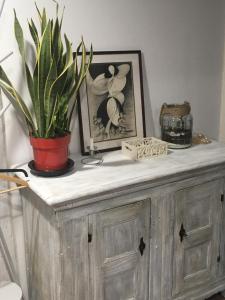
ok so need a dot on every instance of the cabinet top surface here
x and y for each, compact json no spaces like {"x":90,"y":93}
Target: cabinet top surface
{"x":118,"y":172}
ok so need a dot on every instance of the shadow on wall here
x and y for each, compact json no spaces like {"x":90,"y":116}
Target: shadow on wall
{"x":11,"y":223}
{"x":20,"y":141}
{"x":150,"y":128}
{"x":5,"y":209}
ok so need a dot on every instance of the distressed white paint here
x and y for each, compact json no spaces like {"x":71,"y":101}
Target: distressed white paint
{"x":118,"y":171}
{"x":93,"y":251}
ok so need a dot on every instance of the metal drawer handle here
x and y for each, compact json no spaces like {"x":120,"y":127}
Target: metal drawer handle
{"x":182,"y":233}
{"x":142,"y":246}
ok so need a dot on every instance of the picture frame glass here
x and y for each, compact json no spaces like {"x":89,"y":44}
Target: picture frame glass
{"x":111,"y":101}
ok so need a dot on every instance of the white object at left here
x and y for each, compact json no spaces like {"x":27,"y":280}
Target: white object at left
{"x":10,"y":291}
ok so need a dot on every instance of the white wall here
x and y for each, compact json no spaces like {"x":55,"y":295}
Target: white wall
{"x":181,"y":41}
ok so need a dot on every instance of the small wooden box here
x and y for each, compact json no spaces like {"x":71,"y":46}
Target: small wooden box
{"x":140,"y":148}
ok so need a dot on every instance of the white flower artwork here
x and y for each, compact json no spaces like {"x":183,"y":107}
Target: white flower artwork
{"x":112,"y":102}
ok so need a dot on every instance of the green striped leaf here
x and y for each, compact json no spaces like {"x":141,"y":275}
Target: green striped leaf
{"x":49,"y":102}
{"x":79,"y":78}
{"x":52,"y":119}
{"x":69,"y":52}
{"x":36,"y":96}
{"x":38,"y":11}
{"x":7,"y":86}
{"x":19,"y":36}
{"x":57,"y":45}
{"x":70,"y":79}
{"x":34,"y":34}
{"x":44,"y":64}
{"x":30,"y":83}
{"x":60,"y":23}
{"x":55,"y":80}
{"x":43,"y":21}
{"x":57,"y":90}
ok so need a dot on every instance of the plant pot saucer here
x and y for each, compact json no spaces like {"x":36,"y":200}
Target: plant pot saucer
{"x":68,"y":168}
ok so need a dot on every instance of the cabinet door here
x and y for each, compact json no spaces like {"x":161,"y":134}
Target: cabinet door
{"x":196,"y":240}
{"x":119,"y":253}
{"x":74,"y":260}
{"x":221,"y":265}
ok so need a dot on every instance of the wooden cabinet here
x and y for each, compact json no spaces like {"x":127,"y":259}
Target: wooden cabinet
{"x":161,"y":238}
{"x":119,"y":252}
{"x":196,"y":236}
{"x":221,"y":257}
{"x":73,"y":260}
{"x":165,"y":248}
{"x":105,"y":256}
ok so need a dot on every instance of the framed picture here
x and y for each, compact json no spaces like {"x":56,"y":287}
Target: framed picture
{"x":111,"y":106}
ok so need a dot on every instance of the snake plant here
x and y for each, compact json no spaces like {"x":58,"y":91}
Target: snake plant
{"x":55,"y":80}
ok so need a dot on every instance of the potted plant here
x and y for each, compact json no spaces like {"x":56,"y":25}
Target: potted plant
{"x":53,"y":87}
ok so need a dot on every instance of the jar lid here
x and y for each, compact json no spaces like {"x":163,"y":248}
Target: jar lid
{"x":176,"y":110}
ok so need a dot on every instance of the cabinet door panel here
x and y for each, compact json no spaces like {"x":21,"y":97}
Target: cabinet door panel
{"x":74,"y":259}
{"x":221,"y":267}
{"x":196,"y":239}
{"x":119,"y":271}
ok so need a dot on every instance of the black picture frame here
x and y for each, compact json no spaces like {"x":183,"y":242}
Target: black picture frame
{"x":111,"y":101}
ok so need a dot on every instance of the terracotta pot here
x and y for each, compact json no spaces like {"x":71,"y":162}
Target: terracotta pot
{"x":50,"y":154}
